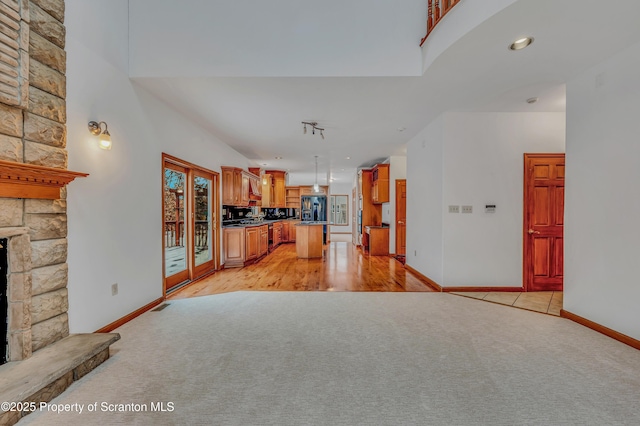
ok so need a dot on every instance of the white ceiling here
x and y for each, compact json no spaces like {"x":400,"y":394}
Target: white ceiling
{"x":361,"y":85}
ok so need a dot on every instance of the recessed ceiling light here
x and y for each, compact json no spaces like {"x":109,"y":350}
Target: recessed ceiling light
{"x":342,"y":170}
{"x":348,"y":158}
{"x":521,"y":43}
{"x":264,"y":164}
{"x":401,"y":129}
{"x":532,"y":100}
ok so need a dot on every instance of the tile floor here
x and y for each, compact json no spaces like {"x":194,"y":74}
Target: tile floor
{"x":547,"y":302}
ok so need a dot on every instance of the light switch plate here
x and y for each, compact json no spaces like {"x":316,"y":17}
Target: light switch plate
{"x":467,"y":209}
{"x":454,"y":209}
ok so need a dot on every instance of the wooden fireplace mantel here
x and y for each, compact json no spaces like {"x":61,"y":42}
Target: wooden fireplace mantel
{"x":21,"y":180}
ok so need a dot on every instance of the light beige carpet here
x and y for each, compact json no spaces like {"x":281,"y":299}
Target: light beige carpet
{"x":276,"y":358}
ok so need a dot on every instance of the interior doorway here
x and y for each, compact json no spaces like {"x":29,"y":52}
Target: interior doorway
{"x":401,"y":217}
{"x":543,"y":222}
{"x":190,"y":228}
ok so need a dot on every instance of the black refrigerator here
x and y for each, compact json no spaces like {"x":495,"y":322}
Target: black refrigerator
{"x":314,"y":208}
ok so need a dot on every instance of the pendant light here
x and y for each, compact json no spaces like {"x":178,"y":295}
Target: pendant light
{"x":316,"y":187}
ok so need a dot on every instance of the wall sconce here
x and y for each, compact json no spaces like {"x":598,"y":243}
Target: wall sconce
{"x":314,"y":127}
{"x":104,"y":137}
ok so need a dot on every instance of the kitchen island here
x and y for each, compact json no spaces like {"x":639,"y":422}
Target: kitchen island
{"x":309,"y":236}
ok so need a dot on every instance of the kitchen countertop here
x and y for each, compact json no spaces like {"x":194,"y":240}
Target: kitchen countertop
{"x":311,"y":222}
{"x":264,"y":222}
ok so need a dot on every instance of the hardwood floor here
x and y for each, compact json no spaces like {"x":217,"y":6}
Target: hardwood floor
{"x":342,"y":268}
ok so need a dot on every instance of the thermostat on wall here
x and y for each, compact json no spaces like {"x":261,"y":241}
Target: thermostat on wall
{"x":490,"y":208}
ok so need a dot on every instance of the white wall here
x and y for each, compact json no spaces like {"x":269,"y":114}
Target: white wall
{"x":481,"y":163}
{"x":483,"y":157}
{"x":115,"y":214}
{"x":424,"y":200}
{"x":602,"y":204}
{"x":278,"y":38}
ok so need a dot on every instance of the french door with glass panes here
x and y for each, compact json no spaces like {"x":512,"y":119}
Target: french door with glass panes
{"x":190,"y":229}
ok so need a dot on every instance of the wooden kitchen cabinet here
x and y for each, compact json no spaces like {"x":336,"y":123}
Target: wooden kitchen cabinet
{"x":264,"y":240}
{"x":245,"y":187}
{"x":252,"y":245}
{"x":380,"y":184}
{"x":292,"y":197}
{"x":285,"y":232}
{"x":277,"y":233}
{"x":228,"y":187}
{"x":377,"y":240}
{"x":233,"y":243}
{"x":236,"y":186}
{"x":371,"y":212}
{"x":243,"y":246}
{"x":292,"y":230}
{"x":278,"y":186}
{"x":267,"y":190}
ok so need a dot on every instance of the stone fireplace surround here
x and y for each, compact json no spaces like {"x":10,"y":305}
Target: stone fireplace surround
{"x":43,"y":358}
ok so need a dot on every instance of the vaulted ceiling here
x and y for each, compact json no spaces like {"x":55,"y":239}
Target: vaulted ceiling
{"x":251,"y":71}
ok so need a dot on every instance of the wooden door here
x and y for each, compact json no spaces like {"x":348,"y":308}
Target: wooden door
{"x":190,"y":228}
{"x":174,"y":227}
{"x":543,"y":221}
{"x":204,"y":225}
{"x":401,"y":216}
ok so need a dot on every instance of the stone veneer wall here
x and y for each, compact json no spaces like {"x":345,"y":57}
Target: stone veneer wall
{"x":33,"y":130}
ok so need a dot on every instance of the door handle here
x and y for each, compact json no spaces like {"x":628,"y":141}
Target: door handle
{"x":531,"y":231}
{"x":401,"y":222}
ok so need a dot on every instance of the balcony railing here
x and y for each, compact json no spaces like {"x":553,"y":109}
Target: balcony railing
{"x":436,"y":9}
{"x":175,"y":237}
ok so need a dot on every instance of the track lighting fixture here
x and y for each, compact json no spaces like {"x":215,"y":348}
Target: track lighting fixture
{"x":314,"y":127}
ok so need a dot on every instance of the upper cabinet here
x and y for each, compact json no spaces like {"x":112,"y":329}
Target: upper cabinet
{"x":267,"y":190}
{"x":380,"y":184}
{"x":239,"y":188}
{"x":293,"y":197}
{"x":276,"y":186}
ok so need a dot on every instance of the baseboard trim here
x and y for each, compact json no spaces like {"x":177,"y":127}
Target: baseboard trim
{"x":125,"y":319}
{"x":601,"y":329}
{"x":428,"y":281}
{"x":479,"y":289}
{"x":431,"y":283}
